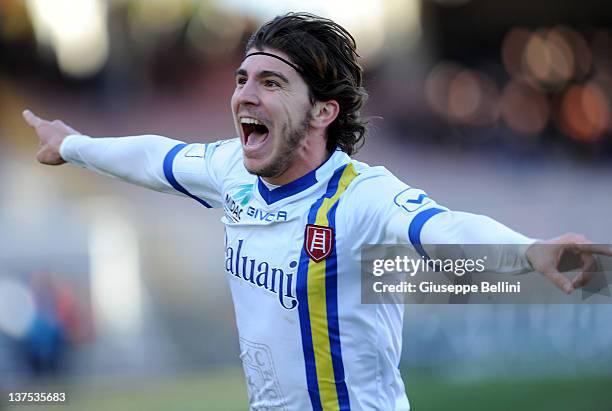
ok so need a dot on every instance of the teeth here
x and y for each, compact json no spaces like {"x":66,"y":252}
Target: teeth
{"x":248,"y":120}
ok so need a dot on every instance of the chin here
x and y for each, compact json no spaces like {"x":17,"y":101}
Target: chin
{"x":263,"y":169}
{"x":254,"y":166}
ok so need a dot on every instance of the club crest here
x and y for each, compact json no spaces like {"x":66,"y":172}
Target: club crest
{"x":318,"y":241}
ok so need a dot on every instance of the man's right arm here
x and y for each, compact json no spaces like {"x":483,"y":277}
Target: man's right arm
{"x":137,"y":160}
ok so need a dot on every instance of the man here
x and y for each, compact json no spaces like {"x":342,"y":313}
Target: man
{"x":297,"y":211}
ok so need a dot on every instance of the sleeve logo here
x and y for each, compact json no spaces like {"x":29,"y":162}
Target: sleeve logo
{"x":196,"y":150}
{"x":412,"y":199}
{"x":318,"y":242}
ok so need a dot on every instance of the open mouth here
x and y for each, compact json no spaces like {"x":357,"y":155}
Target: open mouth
{"x":254,"y":131}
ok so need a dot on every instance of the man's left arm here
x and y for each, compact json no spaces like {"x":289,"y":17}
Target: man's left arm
{"x":509,"y":251}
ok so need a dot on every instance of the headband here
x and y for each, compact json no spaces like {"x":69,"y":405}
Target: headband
{"x":263,"y":53}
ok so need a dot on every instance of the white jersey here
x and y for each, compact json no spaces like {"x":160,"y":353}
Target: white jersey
{"x":292,"y":259}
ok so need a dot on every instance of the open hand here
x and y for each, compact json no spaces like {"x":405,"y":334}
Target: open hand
{"x":568,"y":251}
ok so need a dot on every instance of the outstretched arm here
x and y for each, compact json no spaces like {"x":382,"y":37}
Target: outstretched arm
{"x":137,"y":160}
{"x":546,"y":256}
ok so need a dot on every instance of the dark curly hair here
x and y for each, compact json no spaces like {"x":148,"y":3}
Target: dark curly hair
{"x":326,"y":55}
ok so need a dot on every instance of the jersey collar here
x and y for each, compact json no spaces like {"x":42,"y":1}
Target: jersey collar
{"x":321,"y":173}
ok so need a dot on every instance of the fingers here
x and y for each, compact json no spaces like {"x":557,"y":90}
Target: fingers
{"x":560,"y":281}
{"x":31,"y":118}
{"x":580,"y":243}
{"x":36,"y":122}
{"x":567,"y":249}
{"x":589,"y":267}
{"x":594,"y":248}
{"x":582,"y":279}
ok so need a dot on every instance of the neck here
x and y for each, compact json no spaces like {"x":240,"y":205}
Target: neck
{"x":311,"y":153}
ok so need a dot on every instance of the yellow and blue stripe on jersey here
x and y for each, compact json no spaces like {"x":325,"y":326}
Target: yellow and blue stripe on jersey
{"x":318,"y":306}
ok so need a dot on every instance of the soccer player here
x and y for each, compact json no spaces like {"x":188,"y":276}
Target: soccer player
{"x":297,"y":211}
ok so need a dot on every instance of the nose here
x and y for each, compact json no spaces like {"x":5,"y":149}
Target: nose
{"x":247,"y":94}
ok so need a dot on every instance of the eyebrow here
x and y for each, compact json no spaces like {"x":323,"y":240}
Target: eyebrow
{"x":264,"y":74}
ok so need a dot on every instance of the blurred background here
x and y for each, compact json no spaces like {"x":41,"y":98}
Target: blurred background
{"x":118,"y":296}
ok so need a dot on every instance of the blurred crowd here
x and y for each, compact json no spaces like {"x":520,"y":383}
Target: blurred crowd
{"x":42,"y":319}
{"x":533,"y":77}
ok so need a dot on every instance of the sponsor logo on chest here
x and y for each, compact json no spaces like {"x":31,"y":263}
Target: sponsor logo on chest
{"x":235,"y":207}
{"x":277,"y":280}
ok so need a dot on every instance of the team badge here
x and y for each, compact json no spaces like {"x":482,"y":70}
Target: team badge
{"x":318,"y":242}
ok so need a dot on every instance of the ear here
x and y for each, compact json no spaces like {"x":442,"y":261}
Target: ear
{"x":324,"y":113}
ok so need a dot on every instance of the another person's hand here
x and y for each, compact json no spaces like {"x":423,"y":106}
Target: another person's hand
{"x":568,"y":251}
{"x":51,"y":134}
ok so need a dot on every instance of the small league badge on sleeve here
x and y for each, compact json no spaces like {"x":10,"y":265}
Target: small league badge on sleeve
{"x":196,"y":150}
{"x":190,"y":160}
{"x":412,"y":199}
{"x":318,"y":242}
